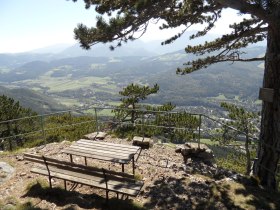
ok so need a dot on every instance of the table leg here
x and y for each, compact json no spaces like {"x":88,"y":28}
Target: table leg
{"x":86,"y":161}
{"x":122,"y":167}
{"x":71,"y":158}
{"x":133,"y":165}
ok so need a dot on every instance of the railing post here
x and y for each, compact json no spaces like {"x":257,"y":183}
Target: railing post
{"x":142,"y":125}
{"x":199,"y":128}
{"x":9,"y":136}
{"x":43,"y":129}
{"x":96,"y":120}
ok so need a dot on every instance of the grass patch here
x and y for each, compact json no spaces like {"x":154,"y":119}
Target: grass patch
{"x":138,"y":177}
{"x":12,"y":203}
{"x":59,"y":84}
{"x":68,"y":101}
{"x":236,"y":195}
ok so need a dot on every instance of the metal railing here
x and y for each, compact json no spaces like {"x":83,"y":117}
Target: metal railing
{"x":42,"y":127}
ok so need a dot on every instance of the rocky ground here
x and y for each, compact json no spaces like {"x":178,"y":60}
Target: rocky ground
{"x":169,"y":183}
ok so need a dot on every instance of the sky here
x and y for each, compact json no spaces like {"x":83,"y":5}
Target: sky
{"x":31,"y":24}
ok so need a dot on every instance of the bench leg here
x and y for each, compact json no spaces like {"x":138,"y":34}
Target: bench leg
{"x":122,"y":167}
{"x":85,"y":161}
{"x":65,"y":186}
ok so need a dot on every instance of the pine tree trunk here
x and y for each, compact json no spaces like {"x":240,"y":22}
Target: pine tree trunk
{"x":269,"y":146}
{"x":248,"y":156}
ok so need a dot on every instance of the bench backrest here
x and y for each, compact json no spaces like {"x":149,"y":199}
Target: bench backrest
{"x":73,"y":167}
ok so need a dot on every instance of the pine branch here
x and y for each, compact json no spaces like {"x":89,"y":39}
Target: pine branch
{"x":247,"y":8}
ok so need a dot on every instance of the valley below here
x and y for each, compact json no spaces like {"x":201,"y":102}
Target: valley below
{"x":48,"y":82}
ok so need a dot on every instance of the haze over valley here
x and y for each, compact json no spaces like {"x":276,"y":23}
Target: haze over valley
{"x":63,"y":77}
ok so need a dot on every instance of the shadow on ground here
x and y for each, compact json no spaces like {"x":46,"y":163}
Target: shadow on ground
{"x":71,"y":199}
{"x":188,"y":192}
{"x":183,"y":193}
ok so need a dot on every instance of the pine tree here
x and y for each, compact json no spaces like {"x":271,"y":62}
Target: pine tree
{"x":243,"y":121}
{"x":128,"y":17}
{"x":131,"y":96}
{"x":9,"y":110}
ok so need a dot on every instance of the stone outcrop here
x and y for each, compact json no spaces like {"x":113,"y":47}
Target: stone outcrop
{"x":6,"y":171}
{"x":193,"y":152}
{"x":96,"y":136}
{"x":144,"y":143}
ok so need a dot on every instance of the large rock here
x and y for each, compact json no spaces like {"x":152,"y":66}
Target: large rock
{"x":6,"y":171}
{"x":192,"y":151}
{"x":144,"y":143}
{"x":96,"y":135}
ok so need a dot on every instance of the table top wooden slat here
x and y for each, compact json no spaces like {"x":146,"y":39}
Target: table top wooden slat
{"x":119,"y":153}
{"x":124,"y":147}
{"x":99,"y":156}
{"x":105,"y":148}
{"x":100,"y":151}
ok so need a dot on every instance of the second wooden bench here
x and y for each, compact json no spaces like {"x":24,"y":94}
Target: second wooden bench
{"x":108,"y":180}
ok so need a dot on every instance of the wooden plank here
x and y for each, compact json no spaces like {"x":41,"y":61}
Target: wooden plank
{"x":97,"y":177}
{"x":71,"y":166}
{"x":90,"y":182}
{"x":97,"y":156}
{"x":126,"y":188}
{"x":55,"y":162}
{"x":108,"y":144}
{"x":117,"y":181}
{"x":107,"y":147}
{"x":101,"y":152}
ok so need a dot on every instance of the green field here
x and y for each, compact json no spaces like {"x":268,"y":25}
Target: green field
{"x":60,"y":84}
{"x":68,"y":101}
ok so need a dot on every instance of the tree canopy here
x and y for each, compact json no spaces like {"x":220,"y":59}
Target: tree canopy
{"x":131,"y":96}
{"x":9,"y":110}
{"x":122,"y":20}
{"x":244,"y":121}
{"x":125,"y":18}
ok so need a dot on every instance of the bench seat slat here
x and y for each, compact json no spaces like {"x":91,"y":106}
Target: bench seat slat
{"x":126,"y":188}
{"x":90,"y":175}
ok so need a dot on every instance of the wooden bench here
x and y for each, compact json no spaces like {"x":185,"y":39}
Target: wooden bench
{"x":108,"y":180}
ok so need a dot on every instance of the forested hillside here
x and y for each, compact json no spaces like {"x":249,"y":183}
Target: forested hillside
{"x":86,"y":80}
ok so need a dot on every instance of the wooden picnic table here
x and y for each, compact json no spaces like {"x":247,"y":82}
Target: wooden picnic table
{"x":118,"y":153}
